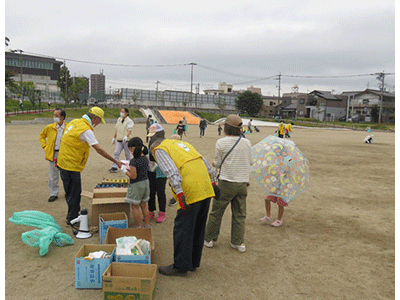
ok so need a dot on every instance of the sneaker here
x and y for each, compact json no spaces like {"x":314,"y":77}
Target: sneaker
{"x":172,"y":202}
{"x":161,"y":217}
{"x":209,"y":244}
{"x":152,"y":214}
{"x":265,"y":219}
{"x":277,"y":223}
{"x":240,"y":248}
{"x":52,"y":198}
{"x":113,"y":170}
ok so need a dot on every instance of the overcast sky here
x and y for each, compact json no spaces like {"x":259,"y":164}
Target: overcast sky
{"x":137,"y":43}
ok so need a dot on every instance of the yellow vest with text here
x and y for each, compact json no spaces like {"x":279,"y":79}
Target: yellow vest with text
{"x":74,"y":154}
{"x":196,"y":182}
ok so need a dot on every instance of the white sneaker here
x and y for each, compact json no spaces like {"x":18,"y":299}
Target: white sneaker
{"x":209,"y":244}
{"x":265,"y":219}
{"x":240,"y":248}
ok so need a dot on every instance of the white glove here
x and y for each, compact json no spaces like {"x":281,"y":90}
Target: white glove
{"x":113,"y":141}
{"x":124,"y":169}
{"x":125,"y":139}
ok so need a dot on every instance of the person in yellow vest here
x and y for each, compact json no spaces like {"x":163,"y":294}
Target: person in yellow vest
{"x":123,"y":133}
{"x":50,"y":139}
{"x":73,"y":155}
{"x":281,"y":129}
{"x":288,"y":130}
{"x":192,"y":181}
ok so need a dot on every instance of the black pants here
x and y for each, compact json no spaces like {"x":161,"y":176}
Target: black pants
{"x":189,"y":230}
{"x":202,"y":131}
{"x":73,"y":188}
{"x":157,"y":187}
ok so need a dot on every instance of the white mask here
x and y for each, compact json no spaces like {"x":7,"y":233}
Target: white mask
{"x":122,"y":115}
{"x":57,"y":120}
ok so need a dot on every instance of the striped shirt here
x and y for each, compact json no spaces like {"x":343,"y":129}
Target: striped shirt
{"x":236,"y":167}
{"x":166,"y":164}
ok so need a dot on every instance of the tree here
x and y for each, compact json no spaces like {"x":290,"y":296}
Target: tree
{"x":249,"y":102}
{"x":64,"y":82}
{"x":76,"y":87}
{"x":7,"y":41}
{"x":30,"y":91}
{"x":375,"y":114}
{"x":9,"y":80}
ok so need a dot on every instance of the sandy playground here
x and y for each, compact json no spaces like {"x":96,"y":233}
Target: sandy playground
{"x":337,"y":240}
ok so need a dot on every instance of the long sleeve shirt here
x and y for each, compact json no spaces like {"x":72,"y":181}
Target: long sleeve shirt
{"x":168,"y":167}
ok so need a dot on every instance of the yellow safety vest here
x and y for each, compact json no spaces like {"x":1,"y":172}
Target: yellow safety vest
{"x":73,"y":153}
{"x":196,"y":182}
{"x":49,"y":132}
{"x":281,"y":128}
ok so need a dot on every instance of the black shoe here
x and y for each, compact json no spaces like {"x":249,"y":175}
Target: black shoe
{"x":53,"y":198}
{"x":113,"y":170}
{"x":171,"y":271}
{"x":172,"y":202}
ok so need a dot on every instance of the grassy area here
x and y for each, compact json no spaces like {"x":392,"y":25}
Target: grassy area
{"x":109,"y":113}
{"x":210,"y":117}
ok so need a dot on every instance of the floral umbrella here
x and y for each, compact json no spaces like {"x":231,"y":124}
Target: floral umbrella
{"x":280,"y":167}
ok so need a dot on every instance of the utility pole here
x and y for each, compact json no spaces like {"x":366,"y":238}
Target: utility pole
{"x":157,"y":82}
{"x":191,"y":81}
{"x":279,"y":93}
{"x":381,"y":77}
{"x":20,"y":70}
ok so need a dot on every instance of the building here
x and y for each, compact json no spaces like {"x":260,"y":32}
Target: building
{"x":325,"y":106}
{"x":254,"y":90}
{"x":98,"y":86}
{"x":42,"y":71}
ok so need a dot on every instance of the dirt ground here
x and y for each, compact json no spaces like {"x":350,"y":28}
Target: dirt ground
{"x":337,"y":240}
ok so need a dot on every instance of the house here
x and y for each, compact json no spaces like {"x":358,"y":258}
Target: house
{"x":361,"y":104}
{"x":325,"y":106}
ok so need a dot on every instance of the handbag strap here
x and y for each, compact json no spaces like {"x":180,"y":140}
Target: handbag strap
{"x":220,"y":167}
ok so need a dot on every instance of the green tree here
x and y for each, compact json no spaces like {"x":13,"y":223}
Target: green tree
{"x":375,"y":114}
{"x":77,"y":86}
{"x":30,"y":91}
{"x":249,"y":102}
{"x":9,"y":80}
{"x":64,"y":82}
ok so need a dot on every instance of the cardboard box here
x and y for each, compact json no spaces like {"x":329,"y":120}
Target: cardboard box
{"x":110,"y":205}
{"x":88,"y":273}
{"x":116,"y":220}
{"x":139,"y":233}
{"x":113,"y":192}
{"x":129,"y":281}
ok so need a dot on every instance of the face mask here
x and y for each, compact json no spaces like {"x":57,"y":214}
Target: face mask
{"x":122,"y":115}
{"x":57,"y":120}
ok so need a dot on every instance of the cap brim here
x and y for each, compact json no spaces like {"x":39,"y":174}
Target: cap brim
{"x":102,"y":121}
{"x":151,"y":134}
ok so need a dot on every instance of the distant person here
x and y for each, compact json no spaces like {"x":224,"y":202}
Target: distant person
{"x":203,"y":126}
{"x":180,"y":129}
{"x":256,"y":129}
{"x":123,"y":133}
{"x":288,"y":130}
{"x":185,"y":123}
{"x":369,"y":139}
{"x":219,"y":130}
{"x":149,"y":121}
{"x":192,"y":184}
{"x":21,"y":105}
{"x":281,"y":129}
{"x":249,"y":127}
{"x":233,"y":157}
{"x":74,"y":153}
{"x":49,"y":104}
{"x":138,"y":193}
{"x":50,"y":139}
{"x":281,"y":208}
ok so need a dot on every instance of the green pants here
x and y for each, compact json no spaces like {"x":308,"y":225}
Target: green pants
{"x":233,"y":193}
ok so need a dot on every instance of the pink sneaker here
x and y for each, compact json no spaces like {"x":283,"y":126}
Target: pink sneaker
{"x":161,"y":217}
{"x":277,"y":223}
{"x":151,"y":213}
{"x":265,"y":219}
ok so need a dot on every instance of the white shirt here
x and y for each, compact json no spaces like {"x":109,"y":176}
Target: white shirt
{"x":88,"y":137}
{"x":236,"y":167}
{"x":60,"y":130}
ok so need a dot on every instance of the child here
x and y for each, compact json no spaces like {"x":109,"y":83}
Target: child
{"x":219,"y":129}
{"x":281,"y":129}
{"x":288,"y":130}
{"x":369,"y":139}
{"x":281,"y":205}
{"x":180,"y":129}
{"x":138,"y":190}
{"x":256,"y":129}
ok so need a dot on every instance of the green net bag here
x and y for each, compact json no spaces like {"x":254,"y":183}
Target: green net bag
{"x":34,"y":218}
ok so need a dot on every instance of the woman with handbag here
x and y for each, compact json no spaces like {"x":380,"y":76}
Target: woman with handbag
{"x":233,"y":157}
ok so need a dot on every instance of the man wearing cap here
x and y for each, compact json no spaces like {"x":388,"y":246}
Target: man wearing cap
{"x":233,"y":157}
{"x":123,"y":133}
{"x":74,"y":153}
{"x":50,"y":139}
{"x":192,"y":181}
